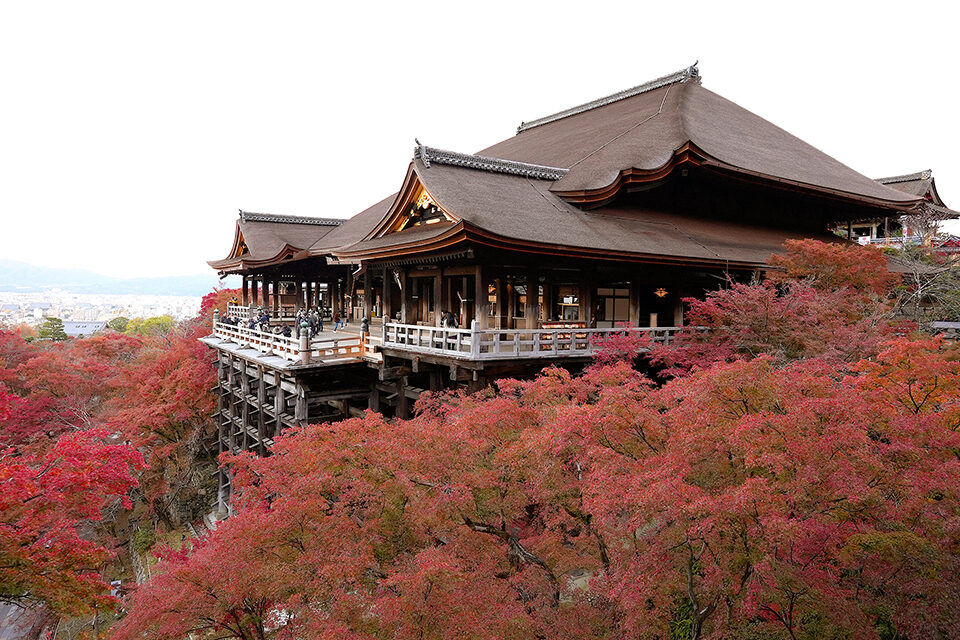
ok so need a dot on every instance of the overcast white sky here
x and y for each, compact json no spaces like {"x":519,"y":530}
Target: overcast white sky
{"x":131,"y":132}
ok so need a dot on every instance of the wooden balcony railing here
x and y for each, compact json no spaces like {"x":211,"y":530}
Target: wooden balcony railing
{"x":302,"y":350}
{"x":503,"y":344}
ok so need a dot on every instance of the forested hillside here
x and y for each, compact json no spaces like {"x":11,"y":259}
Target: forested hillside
{"x":104,"y":446}
{"x":788,"y":468}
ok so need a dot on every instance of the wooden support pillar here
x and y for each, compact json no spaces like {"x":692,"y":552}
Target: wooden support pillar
{"x":309,"y":295}
{"x":678,"y":308}
{"x":245,"y":406}
{"x":481,"y":298}
{"x":231,"y":407}
{"x":436,"y":380}
{"x":547,"y":310}
{"x":405,"y":300}
{"x":349,"y":300}
{"x":385,"y":296}
{"x":511,"y":300}
{"x":373,"y":400}
{"x":261,"y":417}
{"x":502,"y":311}
{"x":300,"y":408}
{"x":849,"y":229}
{"x":438,"y":307}
{"x":275,"y":298}
{"x":587,"y":285}
{"x":279,"y":405}
{"x":243,"y":292}
{"x":634,"y":303}
{"x":367,"y":294}
{"x":531,"y":309}
{"x":403,"y":404}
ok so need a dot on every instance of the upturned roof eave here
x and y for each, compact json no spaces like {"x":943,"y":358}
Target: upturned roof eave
{"x":690,"y":153}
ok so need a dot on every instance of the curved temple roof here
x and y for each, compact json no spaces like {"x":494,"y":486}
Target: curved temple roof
{"x":641,"y":130}
{"x":263,"y":238}
{"x":521,"y":191}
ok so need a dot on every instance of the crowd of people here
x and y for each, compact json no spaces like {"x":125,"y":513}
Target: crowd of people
{"x":304,"y":320}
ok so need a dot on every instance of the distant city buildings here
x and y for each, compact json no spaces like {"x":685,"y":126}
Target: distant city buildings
{"x":89,"y":309}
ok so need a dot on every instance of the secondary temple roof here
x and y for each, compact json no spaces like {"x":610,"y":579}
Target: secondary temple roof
{"x":264,"y":238}
{"x":530,"y":191}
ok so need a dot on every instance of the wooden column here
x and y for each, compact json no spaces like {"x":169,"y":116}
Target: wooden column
{"x":367,"y":294}
{"x":438,"y":297}
{"x":511,"y":303}
{"x":403,"y":403}
{"x":245,"y":406}
{"x":276,"y":296}
{"x":385,"y":296}
{"x":334,"y":288}
{"x":533,"y":289}
{"x":309,"y":295}
{"x":634,"y":303}
{"x":348,"y":298}
{"x":243,"y":292}
{"x":586,"y":298}
{"x":481,"y":302}
{"x":501,"y":284}
{"x":253,"y":291}
{"x":279,"y":404}
{"x":547,"y":299}
{"x":300,"y":408}
{"x":261,"y":405}
{"x":405,"y":300}
{"x":231,"y":407}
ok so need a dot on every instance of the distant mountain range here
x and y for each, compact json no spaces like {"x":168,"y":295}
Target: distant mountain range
{"x":21,"y":277}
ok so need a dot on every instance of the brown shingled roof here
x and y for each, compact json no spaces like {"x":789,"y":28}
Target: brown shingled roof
{"x":261,"y":239}
{"x":509,"y":210}
{"x":519,"y":191}
{"x":921,"y":184}
{"x":643,"y":132}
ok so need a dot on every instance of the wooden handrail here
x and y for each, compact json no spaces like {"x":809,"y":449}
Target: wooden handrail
{"x":493,"y":344}
{"x":290,"y":348}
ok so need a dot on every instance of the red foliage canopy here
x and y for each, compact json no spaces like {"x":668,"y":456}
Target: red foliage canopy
{"x":747,"y":500}
{"x":44,"y":500}
{"x":827,"y":301}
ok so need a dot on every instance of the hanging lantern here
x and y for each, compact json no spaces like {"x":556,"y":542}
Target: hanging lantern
{"x":660,"y":292}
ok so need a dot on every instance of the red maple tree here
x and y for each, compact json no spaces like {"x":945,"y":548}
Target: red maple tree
{"x":46,"y":557}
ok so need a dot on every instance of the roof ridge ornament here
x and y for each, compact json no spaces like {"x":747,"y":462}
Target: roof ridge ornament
{"x":420,"y":151}
{"x":926,"y":174}
{"x":689,"y":74}
{"x":485,"y":163}
{"x":248,"y":216}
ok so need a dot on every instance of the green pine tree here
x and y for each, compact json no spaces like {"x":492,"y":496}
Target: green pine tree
{"x":52,"y":329}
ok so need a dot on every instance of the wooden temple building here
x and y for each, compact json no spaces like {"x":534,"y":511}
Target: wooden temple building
{"x":916,"y":226}
{"x":502,"y":262}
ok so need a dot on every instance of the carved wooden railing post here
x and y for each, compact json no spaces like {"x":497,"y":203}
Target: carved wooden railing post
{"x":304,"y":343}
{"x":216,"y":319}
{"x":474,"y":339}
